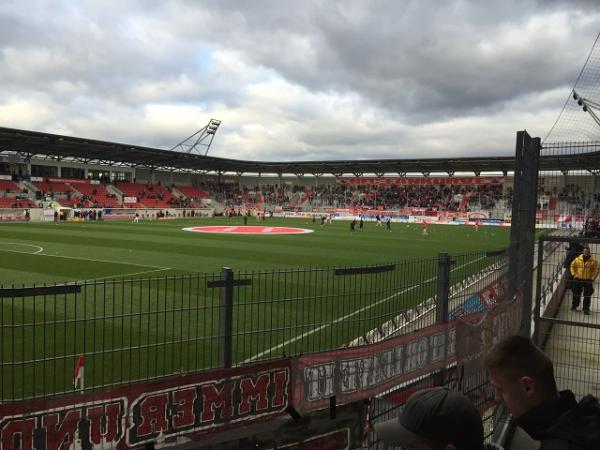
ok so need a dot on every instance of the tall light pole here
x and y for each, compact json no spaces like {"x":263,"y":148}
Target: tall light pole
{"x":200,"y":140}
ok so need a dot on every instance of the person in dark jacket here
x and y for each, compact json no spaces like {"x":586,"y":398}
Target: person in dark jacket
{"x":523,"y":380}
{"x":573,"y":251}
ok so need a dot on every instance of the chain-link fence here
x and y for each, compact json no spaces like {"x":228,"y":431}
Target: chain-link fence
{"x":479,"y":297}
{"x":567,"y":319}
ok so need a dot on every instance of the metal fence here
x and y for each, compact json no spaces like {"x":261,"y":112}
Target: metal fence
{"x":464,"y":299}
{"x":140,"y":329}
{"x":570,"y":337}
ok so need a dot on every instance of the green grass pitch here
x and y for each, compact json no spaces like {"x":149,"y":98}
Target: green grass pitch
{"x":91,"y":250}
{"x":141,"y":329}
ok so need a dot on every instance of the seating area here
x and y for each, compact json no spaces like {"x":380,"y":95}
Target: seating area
{"x":7,"y":186}
{"x":13,"y":202}
{"x":343,"y":194}
{"x":439,"y":197}
{"x":148,"y":195}
{"x":382,"y":194}
{"x":52,"y":187}
{"x":192,"y":192}
{"x":12,"y":196}
{"x":96,"y":196}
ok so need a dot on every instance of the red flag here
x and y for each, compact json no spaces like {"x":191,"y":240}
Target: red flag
{"x":78,"y":373}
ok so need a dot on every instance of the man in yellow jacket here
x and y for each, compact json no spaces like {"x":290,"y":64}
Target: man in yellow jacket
{"x":584,"y":270}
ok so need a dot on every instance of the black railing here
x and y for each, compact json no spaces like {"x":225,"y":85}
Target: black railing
{"x":131,"y":330}
{"x":569,"y":336}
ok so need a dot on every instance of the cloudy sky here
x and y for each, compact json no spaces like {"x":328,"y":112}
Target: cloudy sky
{"x":295,"y":80}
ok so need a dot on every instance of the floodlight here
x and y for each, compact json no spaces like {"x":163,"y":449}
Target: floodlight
{"x":200,"y":139}
{"x":588,"y":106}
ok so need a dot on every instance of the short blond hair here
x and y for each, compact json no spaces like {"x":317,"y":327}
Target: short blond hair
{"x":517,"y":356}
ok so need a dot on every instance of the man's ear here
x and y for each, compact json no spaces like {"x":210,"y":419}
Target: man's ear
{"x":528,"y":385}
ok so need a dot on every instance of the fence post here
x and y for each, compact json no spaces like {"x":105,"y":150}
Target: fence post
{"x":226,"y":318}
{"x":443,"y":288}
{"x":538,"y":292}
{"x":442,"y":299}
{"x":522,"y":230}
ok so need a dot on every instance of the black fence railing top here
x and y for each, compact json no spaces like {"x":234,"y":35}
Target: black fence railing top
{"x":49,"y":288}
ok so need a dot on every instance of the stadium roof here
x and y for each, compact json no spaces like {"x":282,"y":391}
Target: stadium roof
{"x":35,"y":144}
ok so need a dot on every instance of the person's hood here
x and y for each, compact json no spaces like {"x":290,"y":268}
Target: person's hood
{"x":564,"y":419}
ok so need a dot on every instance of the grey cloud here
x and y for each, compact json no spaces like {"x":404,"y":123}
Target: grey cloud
{"x":416,"y":57}
{"x":404,"y":56}
{"x":99,"y":65}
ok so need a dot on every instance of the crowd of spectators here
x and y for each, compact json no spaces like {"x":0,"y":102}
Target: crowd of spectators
{"x":570,"y":193}
{"x":93,"y":200}
{"x":231,"y":195}
{"x":455,"y":198}
{"x":446,"y":198}
{"x":443,"y":198}
{"x":592,"y":225}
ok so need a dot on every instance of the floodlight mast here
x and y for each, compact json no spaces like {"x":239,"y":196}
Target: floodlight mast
{"x":200,"y":140}
{"x":588,"y":106}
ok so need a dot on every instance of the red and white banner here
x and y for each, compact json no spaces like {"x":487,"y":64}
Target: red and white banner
{"x":419,"y":181}
{"x":129,"y":417}
{"x":358,"y":373}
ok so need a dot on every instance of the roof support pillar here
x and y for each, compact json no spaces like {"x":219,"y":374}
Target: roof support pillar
{"x":317,"y":176}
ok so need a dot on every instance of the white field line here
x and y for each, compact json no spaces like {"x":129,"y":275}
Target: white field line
{"x":39,"y":249}
{"x":347,"y":316}
{"x":88,"y":259}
